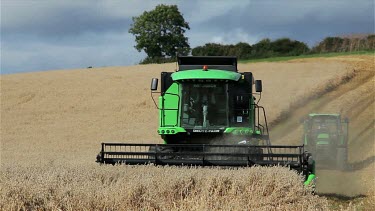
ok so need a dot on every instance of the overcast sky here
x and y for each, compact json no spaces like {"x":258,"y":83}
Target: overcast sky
{"x":53,"y":34}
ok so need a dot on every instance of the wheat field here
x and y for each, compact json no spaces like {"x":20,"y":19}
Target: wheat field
{"x":52,"y":124}
{"x":93,"y":187}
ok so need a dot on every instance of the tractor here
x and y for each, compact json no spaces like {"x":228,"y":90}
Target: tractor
{"x":209,"y":115}
{"x":326,"y":138}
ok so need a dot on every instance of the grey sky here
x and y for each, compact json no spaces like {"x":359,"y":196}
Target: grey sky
{"x":46,"y":35}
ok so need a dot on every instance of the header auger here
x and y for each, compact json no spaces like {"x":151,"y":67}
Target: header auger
{"x":209,"y":116}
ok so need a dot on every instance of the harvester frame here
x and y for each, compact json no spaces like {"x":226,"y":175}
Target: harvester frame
{"x":209,"y":116}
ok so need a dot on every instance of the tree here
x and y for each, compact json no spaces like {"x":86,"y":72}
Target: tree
{"x":288,"y":47}
{"x":262,"y":49}
{"x":329,"y":44}
{"x":209,"y":49}
{"x":241,"y":50}
{"x":160,"y":33}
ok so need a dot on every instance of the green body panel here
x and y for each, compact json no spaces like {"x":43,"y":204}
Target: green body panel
{"x":241,"y":131}
{"x":323,"y":136}
{"x":310,"y":180}
{"x":169,"y":104}
{"x":323,"y":139}
{"x":209,"y":74}
{"x":172,"y":130}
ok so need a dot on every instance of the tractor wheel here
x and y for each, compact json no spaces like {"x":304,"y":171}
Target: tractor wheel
{"x":342,"y":158}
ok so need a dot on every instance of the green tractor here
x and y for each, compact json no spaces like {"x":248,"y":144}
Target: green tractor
{"x":326,"y":138}
{"x":209,"y":116}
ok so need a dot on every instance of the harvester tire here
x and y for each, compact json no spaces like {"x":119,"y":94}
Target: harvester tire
{"x":342,"y":159}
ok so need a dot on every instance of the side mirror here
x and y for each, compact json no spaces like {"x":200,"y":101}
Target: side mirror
{"x":154,"y":84}
{"x":258,"y":85}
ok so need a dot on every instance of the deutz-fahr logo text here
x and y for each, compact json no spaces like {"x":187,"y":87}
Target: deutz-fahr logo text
{"x":205,"y":131}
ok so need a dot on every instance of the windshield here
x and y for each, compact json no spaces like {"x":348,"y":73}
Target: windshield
{"x":204,"y":106}
{"x":323,"y":124}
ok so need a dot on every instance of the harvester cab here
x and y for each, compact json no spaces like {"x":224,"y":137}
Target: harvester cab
{"x":326,"y":138}
{"x":209,"y":115}
{"x":207,"y":101}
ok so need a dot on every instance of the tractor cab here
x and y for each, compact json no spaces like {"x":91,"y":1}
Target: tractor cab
{"x":325,"y":136}
{"x":325,"y":129}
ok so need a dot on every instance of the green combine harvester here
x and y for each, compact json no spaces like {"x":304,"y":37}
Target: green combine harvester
{"x":326,"y":138}
{"x":209,"y":116}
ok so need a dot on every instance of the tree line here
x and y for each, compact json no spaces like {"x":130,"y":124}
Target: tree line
{"x":285,"y":47}
{"x":160,"y":33}
{"x":345,"y":44}
{"x":263,"y":49}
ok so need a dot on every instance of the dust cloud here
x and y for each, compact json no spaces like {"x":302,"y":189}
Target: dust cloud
{"x":351,"y":95}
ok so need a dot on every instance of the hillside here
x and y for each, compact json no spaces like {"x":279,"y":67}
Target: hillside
{"x":59,"y":118}
{"x":65,"y":112}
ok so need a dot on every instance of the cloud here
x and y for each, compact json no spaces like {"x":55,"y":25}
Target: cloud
{"x":233,"y":37}
{"x":42,"y":35}
{"x":200,"y":11}
{"x":107,"y":50}
{"x":58,"y":19}
{"x":305,"y":21}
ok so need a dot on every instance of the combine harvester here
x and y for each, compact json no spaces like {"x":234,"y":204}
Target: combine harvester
{"x":326,"y":138}
{"x":209,"y":116}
